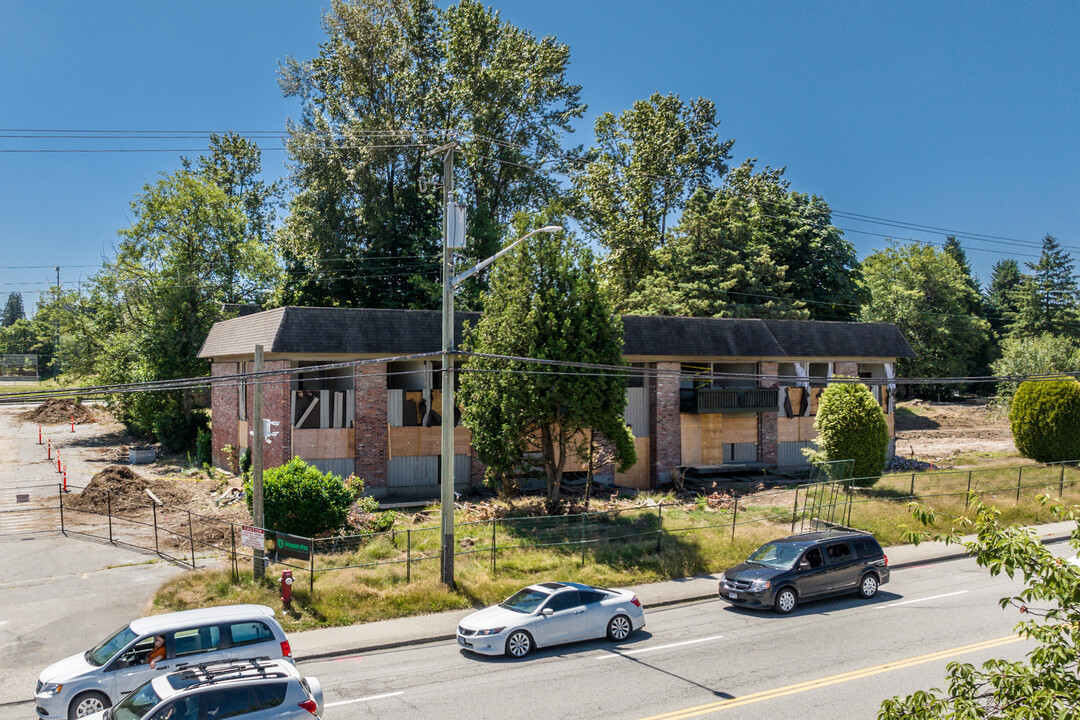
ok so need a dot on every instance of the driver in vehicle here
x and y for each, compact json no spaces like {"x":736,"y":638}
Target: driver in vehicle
{"x":158,"y":653}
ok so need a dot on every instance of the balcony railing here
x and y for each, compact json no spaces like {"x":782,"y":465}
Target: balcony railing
{"x":715,"y":400}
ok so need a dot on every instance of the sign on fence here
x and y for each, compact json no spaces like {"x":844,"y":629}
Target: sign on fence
{"x":252,"y":537}
{"x":282,"y":545}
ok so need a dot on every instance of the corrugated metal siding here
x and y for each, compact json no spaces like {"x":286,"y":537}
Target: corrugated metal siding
{"x":343,"y":467}
{"x":417,"y":470}
{"x":395,"y":401}
{"x":637,"y":411}
{"x":740,"y":452}
{"x":789,"y":454}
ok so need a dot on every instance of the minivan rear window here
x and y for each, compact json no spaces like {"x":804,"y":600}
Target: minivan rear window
{"x":246,"y":633}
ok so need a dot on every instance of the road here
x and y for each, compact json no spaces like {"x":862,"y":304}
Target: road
{"x":830,"y":659}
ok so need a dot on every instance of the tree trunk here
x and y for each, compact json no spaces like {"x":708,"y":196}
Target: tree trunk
{"x":553,"y":467}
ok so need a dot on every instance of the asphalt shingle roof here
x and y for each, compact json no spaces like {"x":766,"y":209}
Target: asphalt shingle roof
{"x":349,"y":331}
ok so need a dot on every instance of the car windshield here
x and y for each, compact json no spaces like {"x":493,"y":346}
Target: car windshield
{"x":105,"y":651}
{"x":137,"y":704}
{"x":525,"y":601}
{"x":775,"y":555}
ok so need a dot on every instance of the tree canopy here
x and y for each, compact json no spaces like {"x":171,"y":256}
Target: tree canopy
{"x":13,"y":310}
{"x":1046,"y":300}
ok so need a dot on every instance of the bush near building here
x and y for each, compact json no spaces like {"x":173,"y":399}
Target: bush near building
{"x":1045,"y":420}
{"x":301,"y":500}
{"x":851,"y":426}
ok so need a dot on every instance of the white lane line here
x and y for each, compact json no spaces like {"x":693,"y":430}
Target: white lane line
{"x":908,"y":602}
{"x":614,"y":654}
{"x":364,"y":699}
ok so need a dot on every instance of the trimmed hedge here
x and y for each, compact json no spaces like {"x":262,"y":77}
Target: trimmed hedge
{"x":851,"y":426}
{"x":301,"y":500}
{"x":1045,"y":420}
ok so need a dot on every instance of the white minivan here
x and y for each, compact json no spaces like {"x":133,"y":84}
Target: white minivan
{"x":92,"y":681}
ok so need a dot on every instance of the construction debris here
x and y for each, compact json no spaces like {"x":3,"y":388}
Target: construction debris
{"x":60,"y":410}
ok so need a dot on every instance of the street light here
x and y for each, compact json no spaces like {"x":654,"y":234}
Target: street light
{"x":446,"y":461}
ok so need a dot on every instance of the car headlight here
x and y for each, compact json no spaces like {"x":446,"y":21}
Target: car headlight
{"x":723,"y":579}
{"x":490,"y":631}
{"x":52,"y":688}
{"x":759,"y":584}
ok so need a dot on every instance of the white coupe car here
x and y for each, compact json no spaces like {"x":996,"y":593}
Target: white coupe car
{"x":550,"y":614}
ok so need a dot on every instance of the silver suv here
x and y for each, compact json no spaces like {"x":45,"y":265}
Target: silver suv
{"x":89,"y":682}
{"x":242,"y":689}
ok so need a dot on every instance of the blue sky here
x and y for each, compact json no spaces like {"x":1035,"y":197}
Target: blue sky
{"x":961,"y":116}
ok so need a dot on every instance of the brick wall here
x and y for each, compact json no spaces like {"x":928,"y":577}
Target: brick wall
{"x":370,"y":424}
{"x":277,"y":405}
{"x":847,"y":369}
{"x":665,"y":431}
{"x":223,"y":403}
{"x":767,"y":421}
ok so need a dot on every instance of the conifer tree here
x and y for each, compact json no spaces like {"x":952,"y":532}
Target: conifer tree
{"x":1047,"y":299}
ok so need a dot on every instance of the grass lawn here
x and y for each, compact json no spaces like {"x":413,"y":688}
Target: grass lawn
{"x":11,"y":388}
{"x":694,"y":539}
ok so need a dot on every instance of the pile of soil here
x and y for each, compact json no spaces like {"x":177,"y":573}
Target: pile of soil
{"x":60,"y":410}
{"x":124,"y":490}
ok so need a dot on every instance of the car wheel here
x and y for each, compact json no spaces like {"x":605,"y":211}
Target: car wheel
{"x":786,"y":600}
{"x":87,"y":703}
{"x":619,"y":628}
{"x":868,"y":587}
{"x":519,"y":644}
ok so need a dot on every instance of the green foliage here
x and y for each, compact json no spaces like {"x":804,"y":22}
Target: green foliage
{"x":245,"y":461}
{"x":1043,"y":684}
{"x":1046,"y":300}
{"x":1000,"y":302}
{"x":926,"y":293}
{"x":647,"y":163}
{"x":178,"y":432}
{"x":544,"y":303}
{"x":299,"y":499}
{"x":407,"y":64}
{"x":851,"y":426}
{"x":1044,"y":354}
{"x":13,"y":310}
{"x":204,"y":447}
{"x":1045,"y":420}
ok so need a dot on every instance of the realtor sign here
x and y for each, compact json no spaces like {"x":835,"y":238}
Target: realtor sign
{"x":281,"y":545}
{"x":252,"y":537}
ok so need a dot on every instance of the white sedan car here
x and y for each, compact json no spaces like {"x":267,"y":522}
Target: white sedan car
{"x":551,"y":613}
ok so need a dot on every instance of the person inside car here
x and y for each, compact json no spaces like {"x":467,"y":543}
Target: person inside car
{"x":158,"y":653}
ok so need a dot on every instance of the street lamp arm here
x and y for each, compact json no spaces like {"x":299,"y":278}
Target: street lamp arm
{"x":457,"y":279}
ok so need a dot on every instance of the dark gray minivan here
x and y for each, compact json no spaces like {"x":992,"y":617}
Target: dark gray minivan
{"x":782,"y":573}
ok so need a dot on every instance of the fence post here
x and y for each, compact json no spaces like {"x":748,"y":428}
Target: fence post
{"x":60,"y":493}
{"x":912,"y":493}
{"x":108,"y":510}
{"x":795,"y":509}
{"x":494,"y":545}
{"x":408,"y":556}
{"x":734,"y":515}
{"x":850,"y":501}
{"x":1061,"y":481}
{"x":232,"y":536}
{"x":157,"y":550}
{"x":311,"y":573}
{"x":1019,"y":475}
{"x":582,"y":540}
{"x":967,"y":497}
{"x":659,"y":525}
{"x":191,"y":539}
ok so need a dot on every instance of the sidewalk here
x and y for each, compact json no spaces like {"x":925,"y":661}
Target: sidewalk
{"x":331,"y":642}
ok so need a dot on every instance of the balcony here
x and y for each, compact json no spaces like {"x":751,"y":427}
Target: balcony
{"x":718,"y":400}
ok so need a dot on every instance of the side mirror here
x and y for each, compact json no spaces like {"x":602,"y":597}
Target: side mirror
{"x":804,"y":564}
{"x":547,"y":612}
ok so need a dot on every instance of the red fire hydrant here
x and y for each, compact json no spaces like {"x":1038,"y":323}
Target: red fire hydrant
{"x":286,"y":587}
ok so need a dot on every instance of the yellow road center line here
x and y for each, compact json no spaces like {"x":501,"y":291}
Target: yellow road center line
{"x":832,"y":679}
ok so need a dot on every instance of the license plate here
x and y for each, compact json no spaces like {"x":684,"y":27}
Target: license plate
{"x":733,"y":596}
{"x":461,"y":641}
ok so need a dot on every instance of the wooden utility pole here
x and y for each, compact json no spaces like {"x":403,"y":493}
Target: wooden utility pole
{"x":259,"y":563}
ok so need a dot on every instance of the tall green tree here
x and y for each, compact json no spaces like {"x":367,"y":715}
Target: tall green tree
{"x":13,"y":310}
{"x":394,"y":78}
{"x":1000,"y":302}
{"x":646,"y":164}
{"x":924,"y":291}
{"x":712,"y":268}
{"x":1047,"y":300}
{"x":544,"y":302}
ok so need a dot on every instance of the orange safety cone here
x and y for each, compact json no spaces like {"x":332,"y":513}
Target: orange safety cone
{"x":39,"y":435}
{"x":72,"y":423}
{"x":65,"y":478}
{"x":48,"y":450}
{"x":58,"y":461}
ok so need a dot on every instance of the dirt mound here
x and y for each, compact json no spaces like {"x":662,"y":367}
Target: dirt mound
{"x":123,"y":490}
{"x":60,"y":410}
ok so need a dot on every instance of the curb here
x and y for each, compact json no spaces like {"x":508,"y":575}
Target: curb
{"x":958,"y":554}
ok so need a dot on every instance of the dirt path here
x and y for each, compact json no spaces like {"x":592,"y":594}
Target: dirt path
{"x":948,"y":431}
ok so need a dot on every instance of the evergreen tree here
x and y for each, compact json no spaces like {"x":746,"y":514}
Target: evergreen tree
{"x":1047,"y":298}
{"x":1000,"y":301}
{"x":13,"y":310}
{"x":955,"y":250}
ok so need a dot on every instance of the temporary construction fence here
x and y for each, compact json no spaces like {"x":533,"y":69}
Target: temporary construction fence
{"x":402,"y":555}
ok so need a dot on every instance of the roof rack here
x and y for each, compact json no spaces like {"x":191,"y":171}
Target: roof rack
{"x":231,"y":668}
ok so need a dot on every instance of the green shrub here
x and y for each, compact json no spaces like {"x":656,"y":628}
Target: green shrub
{"x":204,"y":446}
{"x":1040,"y":355}
{"x":851,"y":426}
{"x":245,"y":461}
{"x":1045,"y":419}
{"x":299,"y":499}
{"x":176,"y":432}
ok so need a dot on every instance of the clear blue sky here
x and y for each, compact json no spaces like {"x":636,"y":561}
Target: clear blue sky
{"x":954,"y":115}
